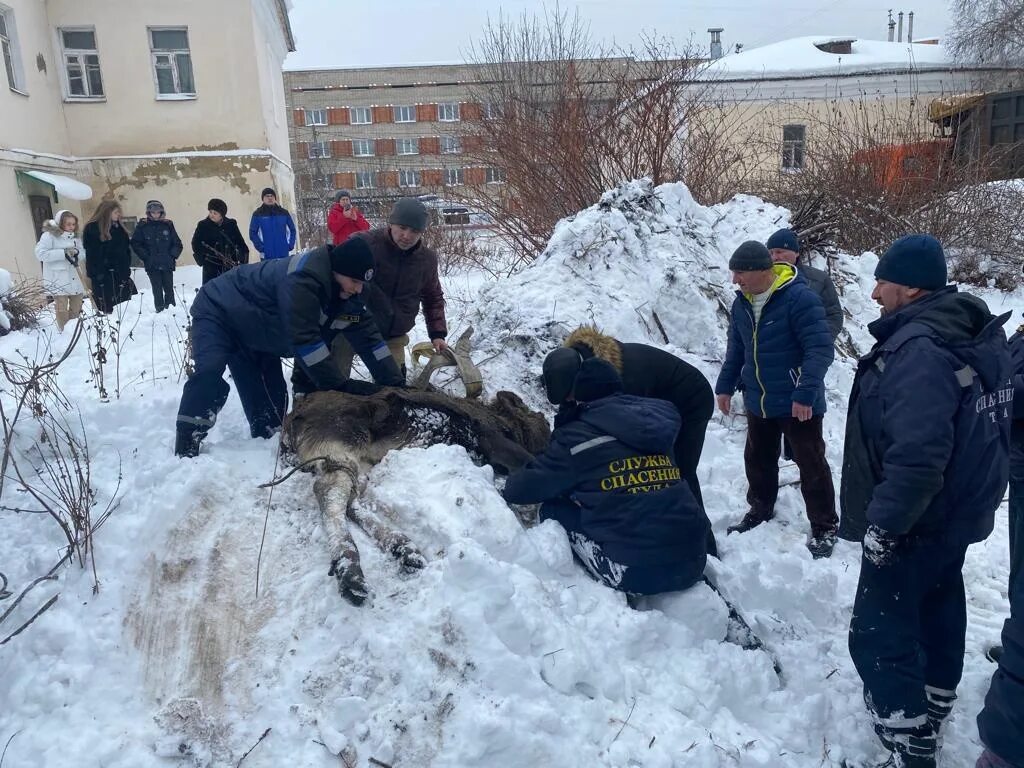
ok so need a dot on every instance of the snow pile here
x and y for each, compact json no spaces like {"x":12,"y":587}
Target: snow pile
{"x":5,"y":288}
{"x":501,"y":652}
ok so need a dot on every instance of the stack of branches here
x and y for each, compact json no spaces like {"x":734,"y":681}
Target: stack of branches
{"x":874,"y":174}
{"x":566,"y":118}
{"x":815,"y":225}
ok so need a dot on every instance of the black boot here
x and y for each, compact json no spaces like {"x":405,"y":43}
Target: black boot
{"x":186,"y":443}
{"x":752,"y":519}
{"x":820,"y":545}
{"x":994,"y":654}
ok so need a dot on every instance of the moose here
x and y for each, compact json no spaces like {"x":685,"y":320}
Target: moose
{"x":342,"y":436}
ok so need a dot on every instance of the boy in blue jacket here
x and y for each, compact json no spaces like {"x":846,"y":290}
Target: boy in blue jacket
{"x":610,"y":478}
{"x":271,"y":229}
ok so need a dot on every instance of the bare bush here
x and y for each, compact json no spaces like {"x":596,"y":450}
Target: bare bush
{"x":25,"y":304}
{"x":460,"y":248}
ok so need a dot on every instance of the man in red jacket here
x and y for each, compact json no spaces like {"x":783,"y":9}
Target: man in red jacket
{"x":344,"y":219}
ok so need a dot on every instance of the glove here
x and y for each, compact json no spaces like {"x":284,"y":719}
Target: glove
{"x":71,"y":254}
{"x":354,"y":387}
{"x":879,"y":545}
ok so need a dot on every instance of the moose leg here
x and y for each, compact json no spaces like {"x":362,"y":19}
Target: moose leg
{"x":394,"y":542}
{"x":334,"y":490}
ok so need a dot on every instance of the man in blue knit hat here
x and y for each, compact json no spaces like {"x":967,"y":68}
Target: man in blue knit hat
{"x":784,"y":246}
{"x":926,"y":463}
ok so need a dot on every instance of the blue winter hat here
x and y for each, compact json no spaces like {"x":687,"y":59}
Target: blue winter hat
{"x":916,"y":261}
{"x":785,"y":239}
{"x":597,"y":378}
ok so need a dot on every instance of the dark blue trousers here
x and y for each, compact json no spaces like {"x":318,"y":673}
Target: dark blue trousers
{"x":633,"y":579}
{"x":1017,"y":544}
{"x":907,"y":639}
{"x":257,"y":376}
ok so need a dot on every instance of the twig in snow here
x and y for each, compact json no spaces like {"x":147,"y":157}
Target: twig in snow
{"x":625,"y":722}
{"x":28,"y":623}
{"x":657,"y":321}
{"x":301,"y":466}
{"x":260,"y":739}
{"x":375,"y":761}
{"x":2,"y":756}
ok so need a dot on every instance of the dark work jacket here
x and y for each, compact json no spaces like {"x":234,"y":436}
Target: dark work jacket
{"x":109,"y":264}
{"x":157,"y":244}
{"x":1017,"y":428}
{"x":613,"y":458}
{"x":272,"y":231}
{"x":402,"y":281}
{"x":822,"y":285}
{"x":294,"y":308}
{"x":783,"y":358}
{"x":218,"y":247}
{"x":928,"y":430}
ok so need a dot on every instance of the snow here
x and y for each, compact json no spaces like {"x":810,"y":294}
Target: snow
{"x":799,"y":57}
{"x":501,"y":652}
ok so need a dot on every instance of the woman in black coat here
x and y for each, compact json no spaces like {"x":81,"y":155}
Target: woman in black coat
{"x":217,"y":244}
{"x":109,"y":262}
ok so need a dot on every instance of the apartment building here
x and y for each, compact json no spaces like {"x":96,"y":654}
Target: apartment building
{"x":136,"y":100}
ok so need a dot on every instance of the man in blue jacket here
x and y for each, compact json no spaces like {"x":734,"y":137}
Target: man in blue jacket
{"x":779,"y":350}
{"x":247,"y":319}
{"x":925,"y":465}
{"x":271,"y":229}
{"x":610,"y":478}
{"x":1001,"y":722}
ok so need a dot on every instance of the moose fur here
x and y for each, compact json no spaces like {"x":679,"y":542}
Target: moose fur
{"x":353,"y":433}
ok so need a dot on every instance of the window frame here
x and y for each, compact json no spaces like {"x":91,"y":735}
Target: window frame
{"x":488,"y":111}
{"x":352,"y":117}
{"x":493,"y":175}
{"x":324,"y":145}
{"x":794,"y":151}
{"x":408,"y":141}
{"x":455,"y":141}
{"x":460,"y":177}
{"x":411,"y":112}
{"x":371,"y":143}
{"x":80,"y":54}
{"x":417,"y":176}
{"x":369,"y":176}
{"x":446,"y":106}
{"x":10,"y":51}
{"x":172,"y":54}
{"x":308,"y":113}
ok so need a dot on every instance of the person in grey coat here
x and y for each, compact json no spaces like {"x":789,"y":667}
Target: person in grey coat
{"x":784,"y":246}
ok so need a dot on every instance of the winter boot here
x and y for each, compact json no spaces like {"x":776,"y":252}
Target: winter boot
{"x":994,"y":654}
{"x":186,"y":443}
{"x":940,"y":705}
{"x":913,"y":748}
{"x":820,"y":545}
{"x":752,"y":519}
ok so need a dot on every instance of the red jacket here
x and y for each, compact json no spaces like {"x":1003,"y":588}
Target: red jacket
{"x":342,"y":227}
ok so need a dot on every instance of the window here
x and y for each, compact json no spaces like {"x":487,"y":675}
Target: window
{"x":363,"y":148}
{"x":453,"y":177}
{"x":81,"y":63}
{"x":405,"y":114}
{"x":407,"y":146}
{"x":448,"y":113}
{"x":489,"y":111}
{"x":360,"y":115}
{"x":319,"y":149}
{"x":495,"y":176}
{"x":12,"y":56}
{"x":793,"y":146}
{"x":364,"y":179}
{"x":172,"y":62}
{"x":408,"y":178}
{"x":315,"y":116}
{"x":451,"y":145}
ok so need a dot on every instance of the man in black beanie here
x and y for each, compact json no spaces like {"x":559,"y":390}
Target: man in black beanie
{"x":609,"y":478}
{"x":779,"y":350}
{"x":271,"y":228}
{"x":249,"y":318}
{"x":925,"y":465}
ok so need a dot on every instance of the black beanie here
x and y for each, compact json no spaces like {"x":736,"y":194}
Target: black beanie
{"x":267,"y":191}
{"x":409,"y":212}
{"x":597,"y":378}
{"x":916,"y":261}
{"x":353,"y":258}
{"x":217,"y":205}
{"x":560,"y":369}
{"x":751,"y":256}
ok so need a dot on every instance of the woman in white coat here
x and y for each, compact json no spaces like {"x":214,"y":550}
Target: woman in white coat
{"x":61,"y":252}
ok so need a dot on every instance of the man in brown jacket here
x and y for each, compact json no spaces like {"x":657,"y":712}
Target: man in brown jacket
{"x":405,"y":277}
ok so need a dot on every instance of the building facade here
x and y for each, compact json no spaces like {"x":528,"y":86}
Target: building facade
{"x":136,"y":100}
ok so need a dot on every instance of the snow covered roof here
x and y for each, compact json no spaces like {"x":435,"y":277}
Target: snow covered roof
{"x":809,"y":57}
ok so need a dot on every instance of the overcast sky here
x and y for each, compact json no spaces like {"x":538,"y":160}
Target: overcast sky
{"x":349,"y":33}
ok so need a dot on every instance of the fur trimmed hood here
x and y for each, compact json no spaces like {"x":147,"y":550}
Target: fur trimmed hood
{"x":53,"y":225}
{"x":590,"y":342}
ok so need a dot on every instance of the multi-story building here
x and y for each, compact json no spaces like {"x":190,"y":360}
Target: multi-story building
{"x":135,"y":100}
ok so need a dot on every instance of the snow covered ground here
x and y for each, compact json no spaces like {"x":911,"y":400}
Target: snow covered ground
{"x":501,"y":652}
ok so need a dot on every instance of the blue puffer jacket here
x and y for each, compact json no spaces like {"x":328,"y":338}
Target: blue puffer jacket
{"x":928,"y":431}
{"x":783,"y":358}
{"x":1017,"y":428}
{"x":293,"y":308}
{"x":613,"y":458}
{"x":272,"y":231}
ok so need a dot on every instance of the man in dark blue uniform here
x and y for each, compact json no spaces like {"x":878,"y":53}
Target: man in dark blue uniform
{"x":249,"y":318}
{"x":610,"y":478}
{"x":925,"y":466}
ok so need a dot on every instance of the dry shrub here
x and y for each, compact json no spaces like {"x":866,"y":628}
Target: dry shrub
{"x":25,"y":304}
{"x":461,"y":248}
